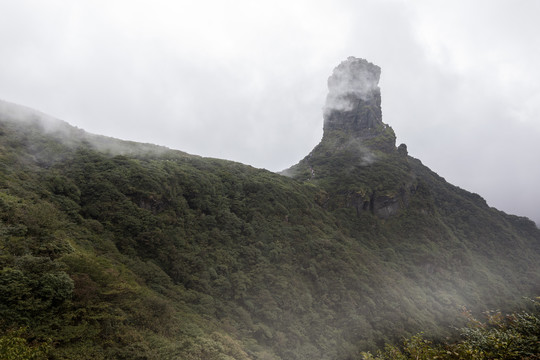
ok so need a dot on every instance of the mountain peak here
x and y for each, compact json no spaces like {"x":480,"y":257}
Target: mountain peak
{"x":357,"y":161}
{"x":353,"y":103}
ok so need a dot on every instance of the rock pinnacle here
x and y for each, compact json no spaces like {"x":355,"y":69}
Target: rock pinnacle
{"x":353,"y":103}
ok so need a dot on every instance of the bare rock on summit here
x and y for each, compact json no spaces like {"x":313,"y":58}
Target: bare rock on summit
{"x":353,"y":103}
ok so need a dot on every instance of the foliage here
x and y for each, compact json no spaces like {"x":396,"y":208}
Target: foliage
{"x":131,"y":251}
{"x":15,"y":346}
{"x":514,"y":336}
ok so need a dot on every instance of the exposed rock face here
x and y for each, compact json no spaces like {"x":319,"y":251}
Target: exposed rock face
{"x":353,"y":103}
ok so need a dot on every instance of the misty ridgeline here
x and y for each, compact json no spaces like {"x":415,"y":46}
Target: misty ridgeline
{"x":118,"y":250}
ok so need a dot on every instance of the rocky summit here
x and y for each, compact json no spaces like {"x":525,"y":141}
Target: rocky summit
{"x":357,"y":161}
{"x":353,"y":103}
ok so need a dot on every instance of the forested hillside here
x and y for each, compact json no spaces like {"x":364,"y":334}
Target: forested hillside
{"x":118,"y":250}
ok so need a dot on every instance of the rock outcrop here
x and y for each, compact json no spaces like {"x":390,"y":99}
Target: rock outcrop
{"x":353,"y":103}
{"x":357,"y":160}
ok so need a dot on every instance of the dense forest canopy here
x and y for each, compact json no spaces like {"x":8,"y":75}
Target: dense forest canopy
{"x":118,"y":250}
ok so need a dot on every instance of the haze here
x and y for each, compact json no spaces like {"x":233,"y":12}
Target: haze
{"x":246,"y":81}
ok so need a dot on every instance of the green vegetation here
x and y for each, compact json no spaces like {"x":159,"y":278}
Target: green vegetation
{"x":515,"y":336}
{"x":14,"y":346}
{"x":116,"y":252}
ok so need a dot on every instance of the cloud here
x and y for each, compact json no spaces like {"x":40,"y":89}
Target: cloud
{"x":352,"y":79}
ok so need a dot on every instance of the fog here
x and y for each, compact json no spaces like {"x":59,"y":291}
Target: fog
{"x":351,"y":77}
{"x":71,"y":136}
{"x":247,"y":81}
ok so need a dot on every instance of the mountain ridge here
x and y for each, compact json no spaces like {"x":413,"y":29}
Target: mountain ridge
{"x":153,"y":253}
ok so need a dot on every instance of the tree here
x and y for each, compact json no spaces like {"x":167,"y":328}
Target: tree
{"x":15,"y":346}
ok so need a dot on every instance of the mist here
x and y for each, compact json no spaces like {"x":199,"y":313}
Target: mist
{"x":71,"y":136}
{"x":247,"y":82}
{"x":317,"y":267}
{"x":349,"y":81}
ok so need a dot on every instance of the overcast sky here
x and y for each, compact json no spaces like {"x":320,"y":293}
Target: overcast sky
{"x":245,"y":80}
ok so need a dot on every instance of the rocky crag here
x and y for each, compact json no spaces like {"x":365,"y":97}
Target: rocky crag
{"x":357,"y":160}
{"x":353,"y":103}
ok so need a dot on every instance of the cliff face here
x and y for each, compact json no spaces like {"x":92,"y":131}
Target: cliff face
{"x":353,"y":103}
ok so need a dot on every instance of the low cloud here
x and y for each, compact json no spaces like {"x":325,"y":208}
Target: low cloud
{"x":351,"y":80}
{"x":72,"y":136}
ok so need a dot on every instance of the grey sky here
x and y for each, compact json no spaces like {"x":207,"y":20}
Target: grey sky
{"x":246,"y":80}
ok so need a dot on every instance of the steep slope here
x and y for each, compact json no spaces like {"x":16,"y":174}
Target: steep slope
{"x":454,"y":235}
{"x":119,"y":250}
